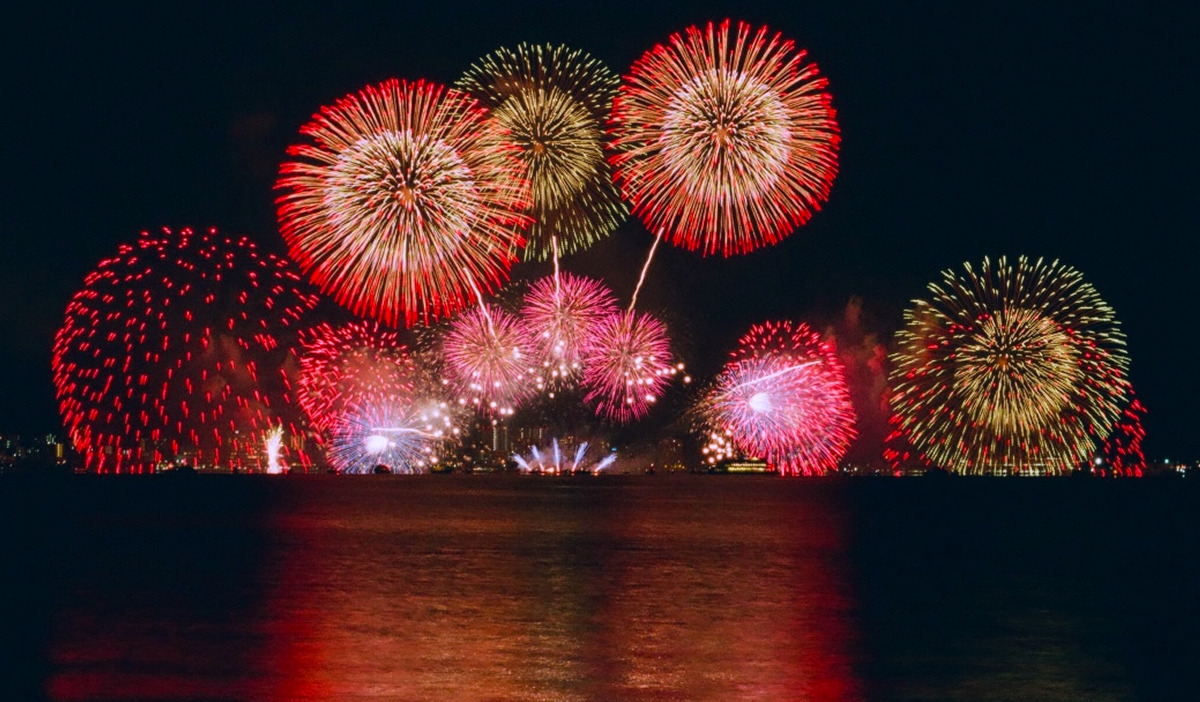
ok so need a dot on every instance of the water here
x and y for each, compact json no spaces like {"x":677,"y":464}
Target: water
{"x":611,"y":588}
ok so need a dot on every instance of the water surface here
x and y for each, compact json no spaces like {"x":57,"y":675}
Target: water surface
{"x":616,"y":588}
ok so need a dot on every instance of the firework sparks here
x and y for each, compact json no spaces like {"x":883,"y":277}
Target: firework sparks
{"x":560,"y":314}
{"x":627,"y":365}
{"x":355,"y":364}
{"x":171,"y":353}
{"x":488,"y":360}
{"x":724,"y":139}
{"x":559,"y":461}
{"x":391,"y":437}
{"x":783,"y":397}
{"x":553,"y":101}
{"x":1009,"y":368}
{"x":407,"y":194}
{"x":274,"y":443}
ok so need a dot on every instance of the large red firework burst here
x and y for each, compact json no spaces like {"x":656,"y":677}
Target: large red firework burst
{"x":487,"y":357}
{"x":352,"y":365}
{"x":783,"y":397}
{"x":552,"y":102}
{"x":725,"y":139}
{"x":626,"y":365}
{"x":407,"y":198}
{"x":1011,"y":367}
{"x":171,"y":353}
{"x":560,"y":313}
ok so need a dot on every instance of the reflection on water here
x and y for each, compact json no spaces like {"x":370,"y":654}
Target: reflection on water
{"x":654,"y":588}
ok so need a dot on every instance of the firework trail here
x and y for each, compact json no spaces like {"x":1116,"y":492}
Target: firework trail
{"x":171,"y":353}
{"x":724,"y":139}
{"x":407,"y":194}
{"x":1014,"y":367}
{"x":552,"y":102}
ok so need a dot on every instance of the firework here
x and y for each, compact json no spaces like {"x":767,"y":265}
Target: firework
{"x":390,"y":436}
{"x":627,"y":365}
{"x":171,"y":353}
{"x":406,"y":198}
{"x":356,"y":364}
{"x":725,"y":139}
{"x":1123,"y":448}
{"x":488,"y":356}
{"x":556,"y":460}
{"x":553,"y":101}
{"x":783,"y":397}
{"x":559,"y":314}
{"x":1014,"y":367}
{"x":273,"y":444}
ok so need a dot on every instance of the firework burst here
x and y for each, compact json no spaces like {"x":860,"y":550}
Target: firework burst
{"x":407,"y":196}
{"x":393,"y":436}
{"x":783,"y":397}
{"x":559,"y":314}
{"x":171,"y":353}
{"x":626,"y":365}
{"x":355,"y":364}
{"x":487,"y":357}
{"x":1122,"y":449}
{"x":725,"y":139}
{"x":553,"y":101}
{"x":1009,"y":368}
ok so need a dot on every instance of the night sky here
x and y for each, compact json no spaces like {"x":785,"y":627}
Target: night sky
{"x":968,"y":131}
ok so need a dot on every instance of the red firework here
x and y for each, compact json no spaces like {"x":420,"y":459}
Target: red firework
{"x":488,"y":357}
{"x":407,"y":198}
{"x":560,"y":313}
{"x":626,"y":365}
{"x":1123,"y":447}
{"x":355,"y":365}
{"x":783,"y":397}
{"x":725,"y":139}
{"x":170,"y":354}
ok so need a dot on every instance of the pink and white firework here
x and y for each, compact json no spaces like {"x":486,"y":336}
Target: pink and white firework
{"x":783,"y":397}
{"x":724,"y":138}
{"x":560,"y":313}
{"x":488,"y":360}
{"x":401,"y":437}
{"x":627,"y":365}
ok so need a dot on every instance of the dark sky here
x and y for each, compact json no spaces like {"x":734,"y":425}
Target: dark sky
{"x":968,"y":130}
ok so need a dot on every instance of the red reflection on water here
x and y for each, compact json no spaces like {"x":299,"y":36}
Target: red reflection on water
{"x":697,"y":589}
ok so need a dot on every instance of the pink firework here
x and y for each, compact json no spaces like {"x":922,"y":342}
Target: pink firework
{"x":626,"y":365}
{"x":407,"y":197}
{"x":560,"y":313}
{"x":487,"y":356}
{"x":171,"y":354}
{"x":783,"y":397}
{"x":725,"y":139}
{"x":353,"y":365}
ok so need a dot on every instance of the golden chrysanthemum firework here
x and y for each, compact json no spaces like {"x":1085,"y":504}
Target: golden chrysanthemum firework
{"x":725,"y":139}
{"x":553,"y":101}
{"x":406,"y":199}
{"x":1011,"y":367}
